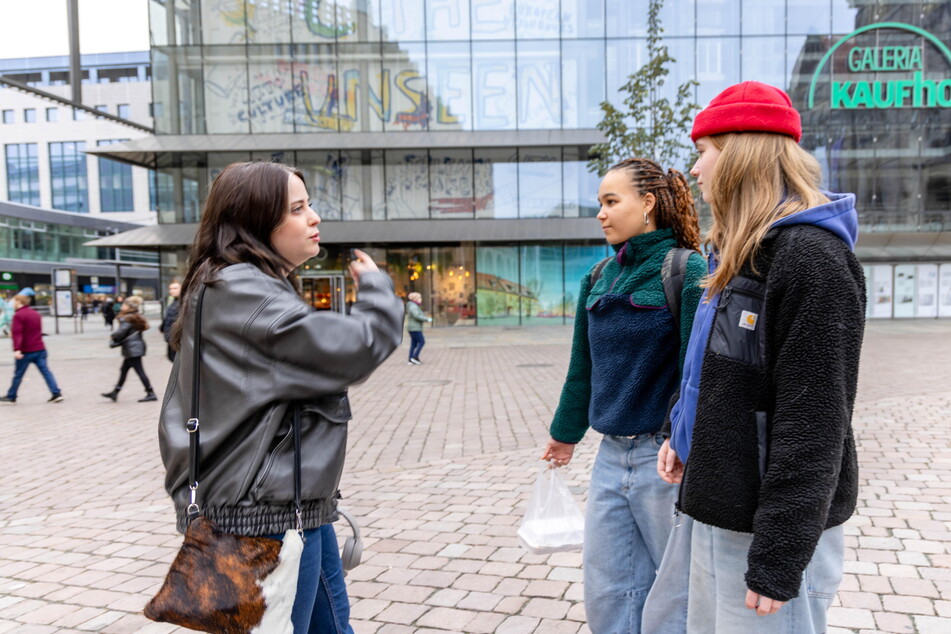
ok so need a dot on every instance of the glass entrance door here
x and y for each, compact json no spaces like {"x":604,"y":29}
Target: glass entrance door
{"x":325,"y":292}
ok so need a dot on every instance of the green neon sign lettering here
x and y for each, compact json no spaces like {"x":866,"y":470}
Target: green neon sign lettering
{"x":889,"y":94}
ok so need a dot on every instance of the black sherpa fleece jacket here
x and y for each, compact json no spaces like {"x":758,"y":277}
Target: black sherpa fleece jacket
{"x":772,"y":449}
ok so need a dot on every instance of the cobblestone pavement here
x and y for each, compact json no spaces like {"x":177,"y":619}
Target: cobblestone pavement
{"x":441,"y":462}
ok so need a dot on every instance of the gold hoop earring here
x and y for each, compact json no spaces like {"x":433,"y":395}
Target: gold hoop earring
{"x":647,"y":218}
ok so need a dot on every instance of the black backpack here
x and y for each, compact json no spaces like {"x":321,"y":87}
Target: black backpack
{"x":672,"y":275}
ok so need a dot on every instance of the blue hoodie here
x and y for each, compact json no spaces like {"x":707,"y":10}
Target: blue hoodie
{"x":839,"y":217}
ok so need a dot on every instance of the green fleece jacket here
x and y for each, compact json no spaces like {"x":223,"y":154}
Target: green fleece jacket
{"x":632,"y":277}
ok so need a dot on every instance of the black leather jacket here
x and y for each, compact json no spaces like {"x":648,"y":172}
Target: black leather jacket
{"x":262,"y":349}
{"x":130,"y":338}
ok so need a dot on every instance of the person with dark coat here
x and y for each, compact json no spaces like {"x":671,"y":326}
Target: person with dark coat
{"x":171,"y":314}
{"x":129,"y":336}
{"x":761,"y":437}
{"x":26,"y":331}
{"x":108,"y":314}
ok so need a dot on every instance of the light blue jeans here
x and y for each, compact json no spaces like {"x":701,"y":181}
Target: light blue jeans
{"x":626,"y":527}
{"x":718,"y":590}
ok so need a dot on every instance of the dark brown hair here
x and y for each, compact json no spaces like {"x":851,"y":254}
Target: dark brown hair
{"x":674,"y":206}
{"x":246,"y":203}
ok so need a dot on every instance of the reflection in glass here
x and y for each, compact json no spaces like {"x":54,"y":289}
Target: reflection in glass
{"x":764,"y":17}
{"x":402,"y":20}
{"x":582,"y":18}
{"x":623,"y":57}
{"x":539,"y":183}
{"x":321,"y":170}
{"x":449,"y":78}
{"x":450,"y":183}
{"x":447,"y":19}
{"x":493,"y":19}
{"x":628,"y":18}
{"x":683,"y":67}
{"x":407,"y":184}
{"x":496,"y":183}
{"x":582,"y":63}
{"x":808,"y":17}
{"x":317,"y":109}
{"x":404,"y":68}
{"x":226,"y":90}
{"x":543,"y":277}
{"x":224,"y":22}
{"x":580,"y":185}
{"x":539,"y":85}
{"x":493,"y":76}
{"x":362,"y":185}
{"x":536,"y":19}
{"x":364,"y":104}
{"x":454,"y":286}
{"x":718,"y":66}
{"x":845,"y":16}
{"x":498,"y":292}
{"x":718,"y":17}
{"x":269,"y":22}
{"x":678,"y":18}
{"x":272,"y":97}
{"x":764,"y":59}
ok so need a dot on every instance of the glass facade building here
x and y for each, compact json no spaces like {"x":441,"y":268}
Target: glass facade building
{"x":480,"y":114}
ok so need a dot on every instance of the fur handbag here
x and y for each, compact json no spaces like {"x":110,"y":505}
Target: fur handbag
{"x":229,"y":584}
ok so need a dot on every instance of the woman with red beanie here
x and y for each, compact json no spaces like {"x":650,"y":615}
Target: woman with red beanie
{"x":761,"y":437}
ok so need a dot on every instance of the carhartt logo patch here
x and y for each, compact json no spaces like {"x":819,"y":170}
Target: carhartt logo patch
{"x":748,"y":320}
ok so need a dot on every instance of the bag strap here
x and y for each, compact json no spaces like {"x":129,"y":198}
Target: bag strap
{"x":672,"y":274}
{"x":596,"y":273}
{"x":194,"y":450}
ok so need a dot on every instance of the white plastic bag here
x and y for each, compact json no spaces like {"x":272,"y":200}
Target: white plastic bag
{"x":553,"y":522}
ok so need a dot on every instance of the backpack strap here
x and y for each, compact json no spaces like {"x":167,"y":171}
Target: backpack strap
{"x":672,"y":275}
{"x":596,"y":273}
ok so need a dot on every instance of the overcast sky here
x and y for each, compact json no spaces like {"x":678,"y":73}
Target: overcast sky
{"x":37,"y":28}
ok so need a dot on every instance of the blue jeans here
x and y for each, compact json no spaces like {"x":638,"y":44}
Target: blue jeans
{"x":39,"y":358}
{"x":416,"y":343}
{"x":718,"y":590}
{"x":627,"y":522}
{"x":321,"y":605}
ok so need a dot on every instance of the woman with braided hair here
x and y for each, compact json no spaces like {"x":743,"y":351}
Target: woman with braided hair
{"x":626,"y":358}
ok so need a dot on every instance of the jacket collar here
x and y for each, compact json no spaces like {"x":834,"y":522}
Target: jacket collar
{"x":642,"y":247}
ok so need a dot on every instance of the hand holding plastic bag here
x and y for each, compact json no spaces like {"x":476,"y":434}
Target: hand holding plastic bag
{"x":553,"y":522}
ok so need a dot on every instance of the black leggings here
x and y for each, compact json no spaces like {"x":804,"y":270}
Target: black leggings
{"x":134,"y":363}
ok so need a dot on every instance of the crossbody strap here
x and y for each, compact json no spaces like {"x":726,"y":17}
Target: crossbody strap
{"x":672,"y":274}
{"x":192,"y":426}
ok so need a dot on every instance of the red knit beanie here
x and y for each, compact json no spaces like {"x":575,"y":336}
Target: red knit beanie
{"x":748,"y":107}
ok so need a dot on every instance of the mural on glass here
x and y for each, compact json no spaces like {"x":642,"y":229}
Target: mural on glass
{"x":499,"y":295}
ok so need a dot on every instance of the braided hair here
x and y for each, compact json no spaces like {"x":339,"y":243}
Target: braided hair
{"x":674,"y":207}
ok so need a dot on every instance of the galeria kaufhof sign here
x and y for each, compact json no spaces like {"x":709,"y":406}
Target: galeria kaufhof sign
{"x":907,"y":84}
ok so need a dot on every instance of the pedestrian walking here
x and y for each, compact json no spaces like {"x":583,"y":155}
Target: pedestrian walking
{"x":26,"y":332}
{"x":761,"y":437}
{"x":108,"y":313}
{"x":6,"y":315}
{"x":266,"y":358}
{"x":625,"y":364}
{"x":415,"y":318}
{"x":171,"y":314}
{"x":128,"y":336}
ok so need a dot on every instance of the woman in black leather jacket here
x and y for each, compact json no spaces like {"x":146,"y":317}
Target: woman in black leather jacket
{"x":264,"y":353}
{"x":129,"y":336}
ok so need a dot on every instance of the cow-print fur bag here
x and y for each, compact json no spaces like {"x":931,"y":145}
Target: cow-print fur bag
{"x":230,"y":584}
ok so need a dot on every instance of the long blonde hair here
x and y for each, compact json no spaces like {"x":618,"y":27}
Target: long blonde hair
{"x":758,"y":178}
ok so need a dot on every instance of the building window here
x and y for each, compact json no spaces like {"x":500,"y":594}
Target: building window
{"x":23,"y":174}
{"x":101,"y":108}
{"x":78,"y":115}
{"x":68,"y":176}
{"x":8,"y":116}
{"x":123,"y":110}
{"x":115,"y":182}
{"x":52,"y":114}
{"x":29,"y":115}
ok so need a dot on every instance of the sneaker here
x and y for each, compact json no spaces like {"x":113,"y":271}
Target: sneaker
{"x":56,"y":398}
{"x":7,"y":399}
{"x":410,"y":363}
{"x":416,"y":362}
